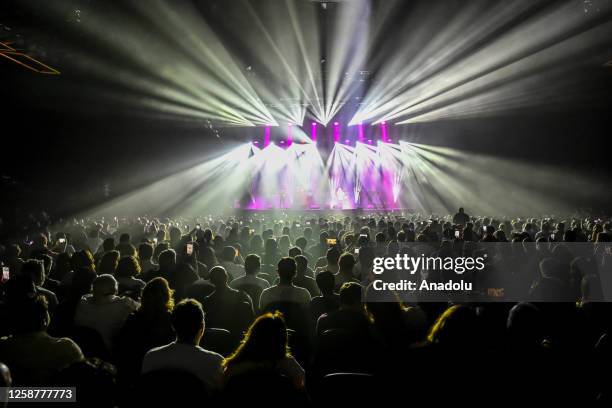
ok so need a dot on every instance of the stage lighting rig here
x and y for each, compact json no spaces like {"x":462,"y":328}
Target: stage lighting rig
{"x":26,"y":61}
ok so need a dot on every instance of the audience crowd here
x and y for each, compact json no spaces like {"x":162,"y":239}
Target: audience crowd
{"x":270,"y":308}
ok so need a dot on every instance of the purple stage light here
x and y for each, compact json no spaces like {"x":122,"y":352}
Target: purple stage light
{"x":256,"y":142}
{"x":313,"y":132}
{"x":336,"y":132}
{"x":289,"y":136}
{"x":347,"y":141}
{"x":267,"y":136}
{"x":383,"y":132}
{"x":361,"y":132}
{"x":369,"y":141}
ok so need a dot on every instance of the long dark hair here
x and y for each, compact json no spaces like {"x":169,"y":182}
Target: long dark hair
{"x":265,"y":340}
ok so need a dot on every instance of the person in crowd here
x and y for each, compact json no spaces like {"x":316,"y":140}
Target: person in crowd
{"x":285,"y":290}
{"x":93,"y":239}
{"x":108,"y":263}
{"x":34,"y":269}
{"x":5,"y":380}
{"x":250,"y":283}
{"x":33,"y":355}
{"x":145,"y":257}
{"x":345,"y":270}
{"x":351,"y":317}
{"x":49,"y":283}
{"x":256,"y":245}
{"x":185,"y":353}
{"x":461,"y":218}
{"x":456,"y":329}
{"x":127,"y":274}
{"x":328,"y":301}
{"x":13,"y":258}
{"x":103,"y":310}
{"x":63,"y":318}
{"x":228,"y":262}
{"x":167,"y":267}
{"x":148,"y":327}
{"x":227,"y":308}
{"x":265,"y":348}
{"x":302,"y":243}
{"x":271,"y":253}
{"x":331,"y":257}
{"x":302,"y":278}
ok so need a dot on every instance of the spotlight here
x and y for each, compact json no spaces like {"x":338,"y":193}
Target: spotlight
{"x":347,"y":141}
{"x":383,"y":123}
{"x":314,"y":123}
{"x":369,"y":141}
{"x":336,"y":123}
{"x":256,"y":142}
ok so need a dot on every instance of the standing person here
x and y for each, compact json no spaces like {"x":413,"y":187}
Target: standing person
{"x":461,"y":218}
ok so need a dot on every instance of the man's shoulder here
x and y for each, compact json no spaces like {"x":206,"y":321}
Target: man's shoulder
{"x":208,"y":354}
{"x":160,"y":350}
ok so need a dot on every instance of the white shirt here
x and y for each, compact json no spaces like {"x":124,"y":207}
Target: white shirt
{"x":106,"y":315}
{"x":284,"y":293}
{"x":204,"y":364}
{"x":250,"y":280}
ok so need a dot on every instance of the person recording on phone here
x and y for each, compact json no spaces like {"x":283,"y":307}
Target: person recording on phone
{"x":228,"y":261}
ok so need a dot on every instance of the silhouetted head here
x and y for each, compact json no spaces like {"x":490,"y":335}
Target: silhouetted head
{"x":266,"y":340}
{"x":104,"y":285}
{"x":525,"y":324}
{"x":325,"y":282}
{"x":301,"y":263}
{"x":294,"y":251}
{"x":127,"y":267}
{"x":286,"y":270}
{"x":167,"y":260}
{"x":332,"y":256}
{"x":228,"y":254}
{"x":188,"y":321}
{"x":456,"y":327}
{"x":35,"y":270}
{"x":145,"y":251}
{"x":157,"y":296}
{"x":346,"y":263}
{"x":252,"y":264}
{"x":218,"y":276}
{"x":350,"y":295}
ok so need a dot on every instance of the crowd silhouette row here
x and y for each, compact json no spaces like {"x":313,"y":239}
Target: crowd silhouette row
{"x":272,"y":309}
